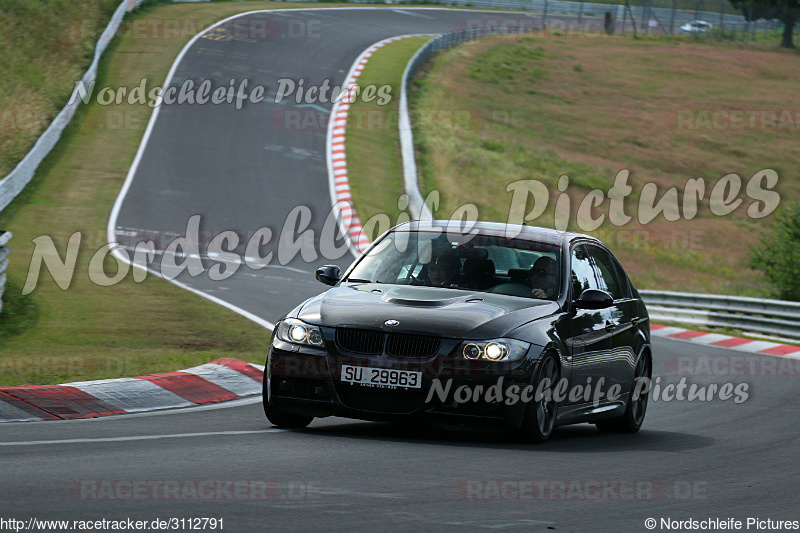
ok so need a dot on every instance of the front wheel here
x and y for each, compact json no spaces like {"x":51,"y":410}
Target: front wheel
{"x":540,"y":414}
{"x":279,"y":417}
{"x":633,"y":418}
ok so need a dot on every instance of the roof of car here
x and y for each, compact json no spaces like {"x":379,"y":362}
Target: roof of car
{"x":496,"y":228}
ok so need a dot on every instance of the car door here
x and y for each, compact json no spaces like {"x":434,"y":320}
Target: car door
{"x":590,"y":346}
{"x":621,"y":316}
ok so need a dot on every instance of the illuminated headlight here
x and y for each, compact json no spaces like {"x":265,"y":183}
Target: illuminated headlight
{"x":298,"y":332}
{"x":494,"y":350}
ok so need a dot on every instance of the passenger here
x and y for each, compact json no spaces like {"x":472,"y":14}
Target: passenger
{"x":543,"y":276}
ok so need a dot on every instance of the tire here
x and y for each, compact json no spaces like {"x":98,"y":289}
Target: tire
{"x":280,"y":418}
{"x":540,"y":416}
{"x":633,"y":418}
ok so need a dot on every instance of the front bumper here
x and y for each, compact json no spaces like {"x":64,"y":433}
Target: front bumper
{"x":307,"y":381}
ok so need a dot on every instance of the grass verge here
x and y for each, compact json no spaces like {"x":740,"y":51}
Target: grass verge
{"x":373,"y":138}
{"x":46,"y":47}
{"x":667,"y":111}
{"x":519,"y":108}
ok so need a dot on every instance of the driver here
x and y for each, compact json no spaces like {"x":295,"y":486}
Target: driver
{"x":443,"y":269}
{"x":543,"y":276}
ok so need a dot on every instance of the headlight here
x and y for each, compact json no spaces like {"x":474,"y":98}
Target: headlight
{"x":298,"y":332}
{"x":494,"y":350}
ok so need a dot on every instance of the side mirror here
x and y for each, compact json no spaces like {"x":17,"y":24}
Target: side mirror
{"x":594,"y":299}
{"x":328,"y":274}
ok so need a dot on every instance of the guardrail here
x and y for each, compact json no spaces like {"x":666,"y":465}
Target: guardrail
{"x":18,"y":179}
{"x":5,"y":236}
{"x":753,"y":315}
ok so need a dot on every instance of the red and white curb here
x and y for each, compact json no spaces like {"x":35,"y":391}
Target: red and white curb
{"x":217,"y":381}
{"x":337,"y":162}
{"x":726,"y":341}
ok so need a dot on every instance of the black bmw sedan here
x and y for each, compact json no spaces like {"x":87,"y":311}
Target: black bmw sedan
{"x":523,"y":326}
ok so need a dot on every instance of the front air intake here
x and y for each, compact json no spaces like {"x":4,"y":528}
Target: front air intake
{"x":361,"y":341}
{"x":402,"y":345}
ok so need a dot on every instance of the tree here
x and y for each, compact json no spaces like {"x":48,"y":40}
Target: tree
{"x":778,"y":255}
{"x":787,"y":11}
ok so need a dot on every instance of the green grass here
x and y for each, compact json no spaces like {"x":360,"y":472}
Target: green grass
{"x":373,"y":139}
{"x":524,"y":116}
{"x":19,"y":312}
{"x":46,"y":45}
{"x":618,"y":111}
{"x":485,"y":147}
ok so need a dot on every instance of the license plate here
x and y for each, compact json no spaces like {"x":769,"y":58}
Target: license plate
{"x":381,"y":377}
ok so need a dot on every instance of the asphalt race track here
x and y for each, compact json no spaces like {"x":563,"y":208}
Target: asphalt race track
{"x":246,"y":169}
{"x":692,"y":460}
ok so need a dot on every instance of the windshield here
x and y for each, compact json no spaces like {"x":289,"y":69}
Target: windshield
{"x":489,"y":263}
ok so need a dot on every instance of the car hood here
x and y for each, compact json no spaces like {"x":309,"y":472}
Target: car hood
{"x":447,"y":312}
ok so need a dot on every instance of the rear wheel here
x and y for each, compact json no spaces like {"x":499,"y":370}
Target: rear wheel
{"x":632,"y":419}
{"x":279,"y":417}
{"x":540,"y":414}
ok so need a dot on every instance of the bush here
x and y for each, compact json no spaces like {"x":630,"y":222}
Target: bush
{"x":779,"y":255}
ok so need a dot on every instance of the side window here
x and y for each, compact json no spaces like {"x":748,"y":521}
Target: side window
{"x":624,"y":282}
{"x":582,"y":275}
{"x":607,"y":273}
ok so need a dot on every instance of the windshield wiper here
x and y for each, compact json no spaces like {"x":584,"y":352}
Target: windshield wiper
{"x":356,"y":280}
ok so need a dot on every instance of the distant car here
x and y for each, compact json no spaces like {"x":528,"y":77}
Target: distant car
{"x":696,"y":26}
{"x":521,"y":309}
